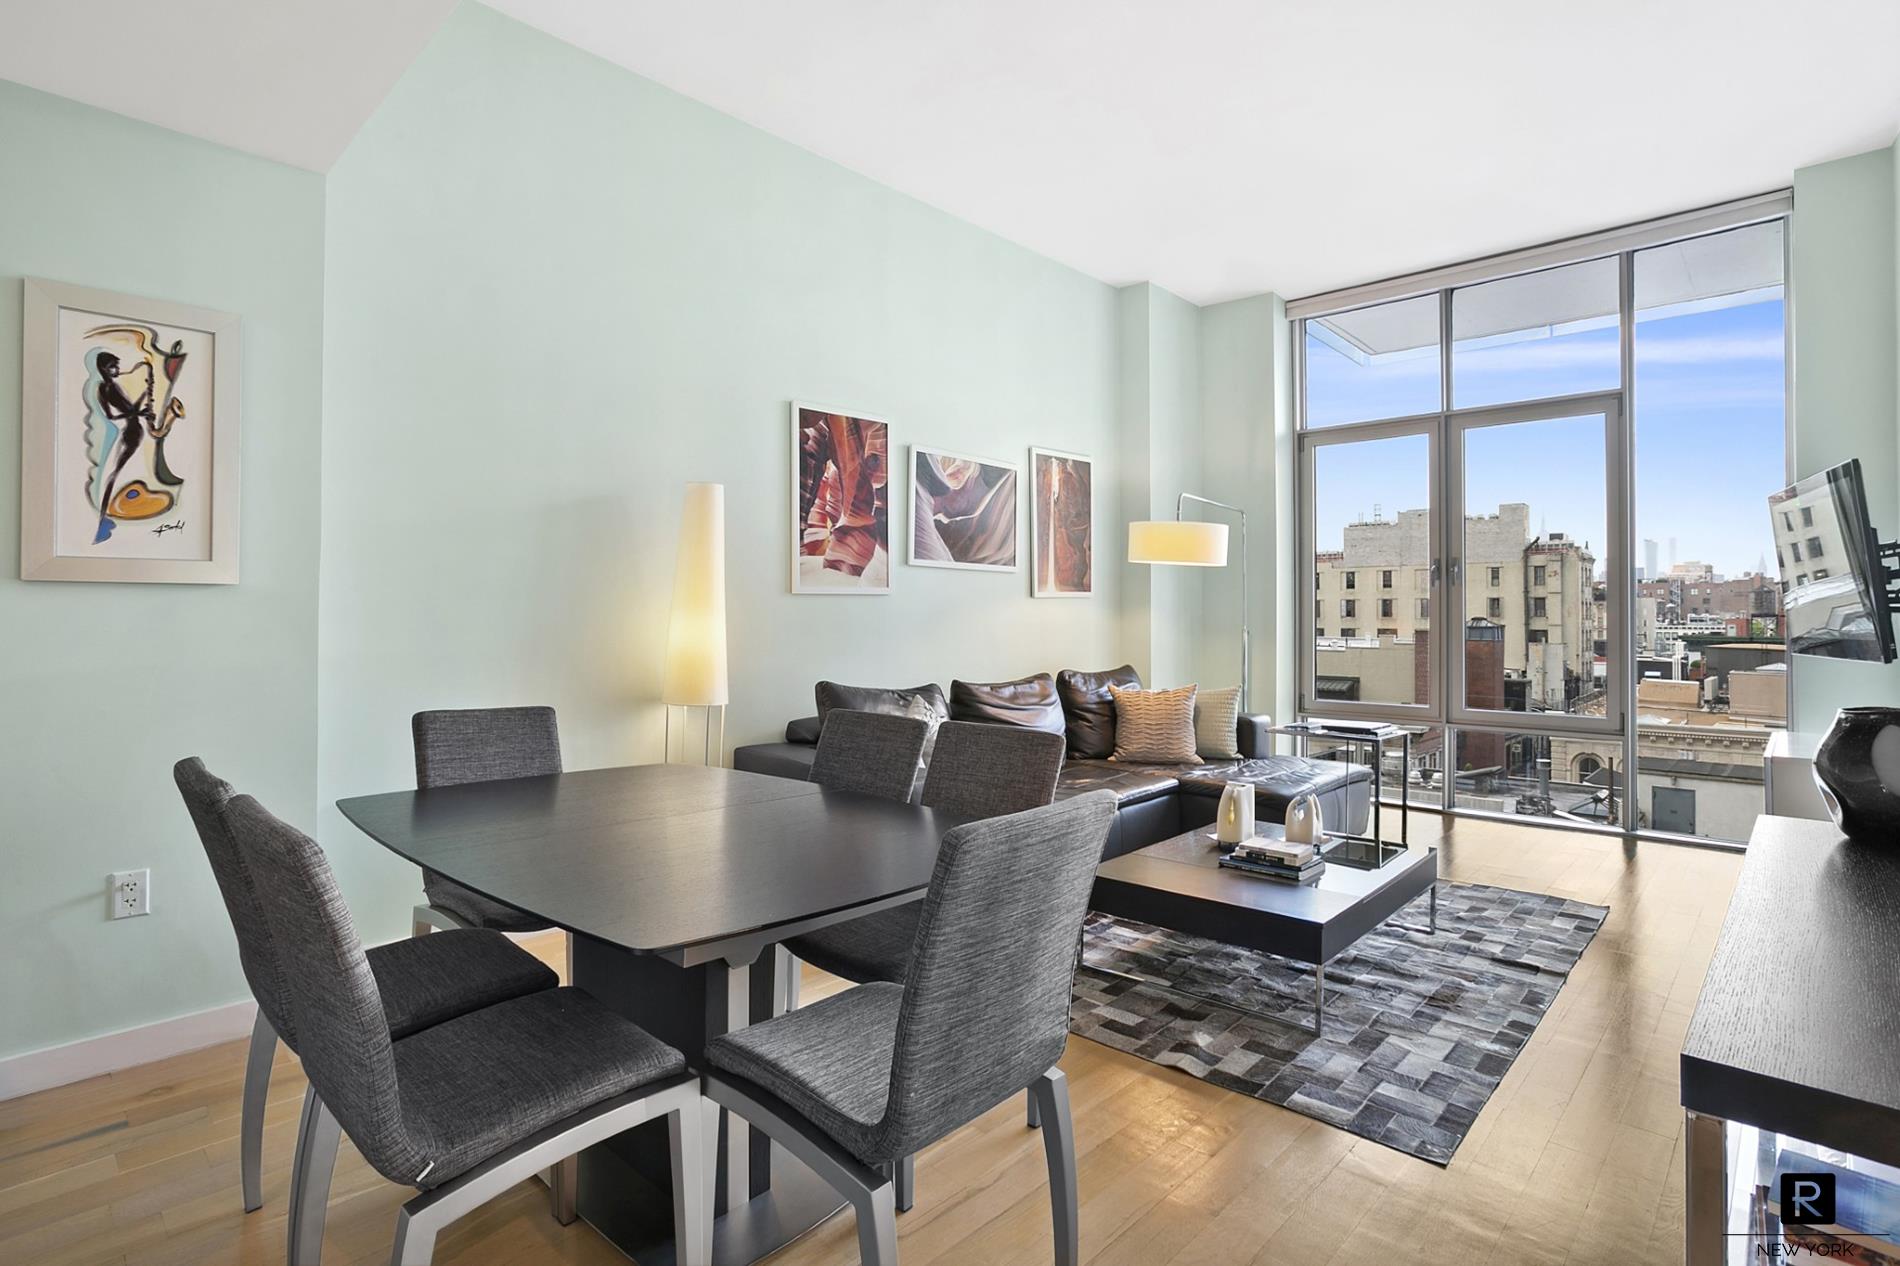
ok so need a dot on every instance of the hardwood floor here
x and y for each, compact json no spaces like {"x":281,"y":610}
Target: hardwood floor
{"x":1576,"y":1159}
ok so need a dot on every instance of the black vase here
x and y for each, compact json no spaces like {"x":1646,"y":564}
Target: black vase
{"x":1858,"y":767}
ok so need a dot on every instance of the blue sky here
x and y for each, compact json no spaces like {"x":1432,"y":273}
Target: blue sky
{"x":1709,"y":434}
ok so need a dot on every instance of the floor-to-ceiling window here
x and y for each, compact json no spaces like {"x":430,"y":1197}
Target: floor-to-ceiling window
{"x":1533,"y":522}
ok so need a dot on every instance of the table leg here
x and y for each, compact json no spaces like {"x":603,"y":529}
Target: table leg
{"x":1705,"y":1173}
{"x":1319,"y":999}
{"x":1405,"y":793}
{"x":765,"y":1197}
{"x":1434,"y":902}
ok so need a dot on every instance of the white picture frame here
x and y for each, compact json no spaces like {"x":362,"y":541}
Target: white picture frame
{"x":1041,"y":586}
{"x":933,"y":548}
{"x":85,"y":438}
{"x":807,"y":578}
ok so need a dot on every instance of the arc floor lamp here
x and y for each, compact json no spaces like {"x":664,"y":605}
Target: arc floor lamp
{"x":1183,"y":542}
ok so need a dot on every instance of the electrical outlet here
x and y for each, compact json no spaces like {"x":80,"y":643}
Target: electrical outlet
{"x":130,"y":893}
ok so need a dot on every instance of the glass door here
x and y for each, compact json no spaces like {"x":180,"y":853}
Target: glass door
{"x":1537,"y":645}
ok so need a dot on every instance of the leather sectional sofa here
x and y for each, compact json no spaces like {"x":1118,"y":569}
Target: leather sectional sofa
{"x":1156,"y":801}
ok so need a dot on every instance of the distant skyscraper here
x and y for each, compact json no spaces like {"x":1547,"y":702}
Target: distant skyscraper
{"x":1650,"y":568}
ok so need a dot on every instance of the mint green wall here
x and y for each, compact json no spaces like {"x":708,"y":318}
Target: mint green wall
{"x":1160,"y":425}
{"x":555,"y":293}
{"x":105,"y":686}
{"x":1845,"y":285}
{"x":1246,"y":460}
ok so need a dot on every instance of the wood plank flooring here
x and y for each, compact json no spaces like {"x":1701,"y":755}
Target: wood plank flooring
{"x":1576,"y":1159}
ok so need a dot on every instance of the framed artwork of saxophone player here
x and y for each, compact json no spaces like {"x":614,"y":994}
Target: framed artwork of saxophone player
{"x":129,"y":439}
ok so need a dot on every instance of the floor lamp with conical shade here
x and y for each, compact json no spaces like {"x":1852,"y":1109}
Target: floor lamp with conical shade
{"x":1180,"y":542}
{"x":696,"y":634}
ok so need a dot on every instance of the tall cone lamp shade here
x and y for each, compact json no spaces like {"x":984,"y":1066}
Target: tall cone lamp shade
{"x":1183,"y":544}
{"x":696,"y":634}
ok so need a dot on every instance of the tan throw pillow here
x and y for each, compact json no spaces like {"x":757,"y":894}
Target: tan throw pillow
{"x":1154,"y":727}
{"x":1217,"y":724}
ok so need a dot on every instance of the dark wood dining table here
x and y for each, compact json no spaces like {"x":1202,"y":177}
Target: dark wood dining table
{"x":676,"y":883}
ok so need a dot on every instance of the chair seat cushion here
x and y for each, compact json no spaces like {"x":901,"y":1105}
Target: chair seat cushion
{"x":482,"y":1082}
{"x":425,"y":980}
{"x":830,"y":1061}
{"x":474,"y":909}
{"x":875,"y":947}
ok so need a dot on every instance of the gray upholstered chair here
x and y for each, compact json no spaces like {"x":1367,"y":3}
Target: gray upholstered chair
{"x":420,"y":982}
{"x":871,"y":753}
{"x":855,"y":1084}
{"x":455,"y":746}
{"x":976,"y":771}
{"x":467,"y":1108}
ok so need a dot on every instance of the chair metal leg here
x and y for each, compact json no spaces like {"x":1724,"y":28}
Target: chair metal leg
{"x":1035,"y":1113}
{"x":1058,"y":1142}
{"x":692,"y":1190}
{"x":251,"y":1116}
{"x":877,"y":1225}
{"x":297,"y":1160}
{"x":316,"y":1165}
{"x":564,"y":1190}
{"x":425,"y":919}
{"x":415,"y":1240}
{"x":787,"y":969}
{"x":905,"y":1180}
{"x":423,"y":1218}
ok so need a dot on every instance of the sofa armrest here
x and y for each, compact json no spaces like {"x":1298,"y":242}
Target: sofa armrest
{"x":1254,"y":737}
{"x":803,"y":730}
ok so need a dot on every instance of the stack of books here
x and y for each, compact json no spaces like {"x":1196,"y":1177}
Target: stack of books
{"x":1275,"y":859}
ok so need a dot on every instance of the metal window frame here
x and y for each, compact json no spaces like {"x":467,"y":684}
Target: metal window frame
{"x":1438,"y":427}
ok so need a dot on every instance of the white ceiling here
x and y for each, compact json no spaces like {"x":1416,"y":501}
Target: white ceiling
{"x":1216,"y":147}
{"x":288,"y":80}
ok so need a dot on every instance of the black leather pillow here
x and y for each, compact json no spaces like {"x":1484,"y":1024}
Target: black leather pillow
{"x":803,"y":730}
{"x":924,"y":702}
{"x":1089,"y":710}
{"x":1029,"y":701}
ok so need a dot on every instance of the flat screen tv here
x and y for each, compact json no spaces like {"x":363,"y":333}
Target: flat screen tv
{"x":1833,"y":578}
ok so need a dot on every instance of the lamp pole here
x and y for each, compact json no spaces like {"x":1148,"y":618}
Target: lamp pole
{"x":1246,"y":664}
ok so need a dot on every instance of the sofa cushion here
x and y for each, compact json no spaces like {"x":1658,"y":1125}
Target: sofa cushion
{"x":924,"y":702}
{"x":1277,"y":779}
{"x":1155,"y":727}
{"x":1028,"y":701}
{"x":1217,"y":724}
{"x":1131,"y":784}
{"x":1088,"y":710}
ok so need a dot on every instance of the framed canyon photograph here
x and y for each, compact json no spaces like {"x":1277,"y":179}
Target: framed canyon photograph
{"x":962,"y":511}
{"x":841,"y":522}
{"x":129,"y":439}
{"x":1061,"y":524}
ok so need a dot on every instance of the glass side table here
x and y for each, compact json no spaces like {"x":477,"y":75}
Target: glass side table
{"x":1373,"y":850}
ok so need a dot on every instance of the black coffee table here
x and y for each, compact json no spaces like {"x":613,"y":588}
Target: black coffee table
{"x":1179,"y":884}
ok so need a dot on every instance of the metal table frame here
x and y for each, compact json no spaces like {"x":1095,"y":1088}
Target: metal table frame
{"x":1376,"y":742}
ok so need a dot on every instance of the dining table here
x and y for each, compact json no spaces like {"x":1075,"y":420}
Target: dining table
{"x":675,"y":884}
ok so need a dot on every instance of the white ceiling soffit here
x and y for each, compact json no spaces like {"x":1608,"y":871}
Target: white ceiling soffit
{"x":1704,"y":273}
{"x":1224,"y":147}
{"x":283,"y":80}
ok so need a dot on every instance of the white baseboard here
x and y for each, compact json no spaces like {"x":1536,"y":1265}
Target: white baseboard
{"x":109,"y":1052}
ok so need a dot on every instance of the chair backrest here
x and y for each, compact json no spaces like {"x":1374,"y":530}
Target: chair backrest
{"x":871,"y":753}
{"x":205,"y":795}
{"x":482,"y":744}
{"x":985,"y":771}
{"x":986,"y":999}
{"x":346,"y":1051}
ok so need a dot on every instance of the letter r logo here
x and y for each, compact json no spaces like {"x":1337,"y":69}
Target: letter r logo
{"x":1807,"y":1199}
